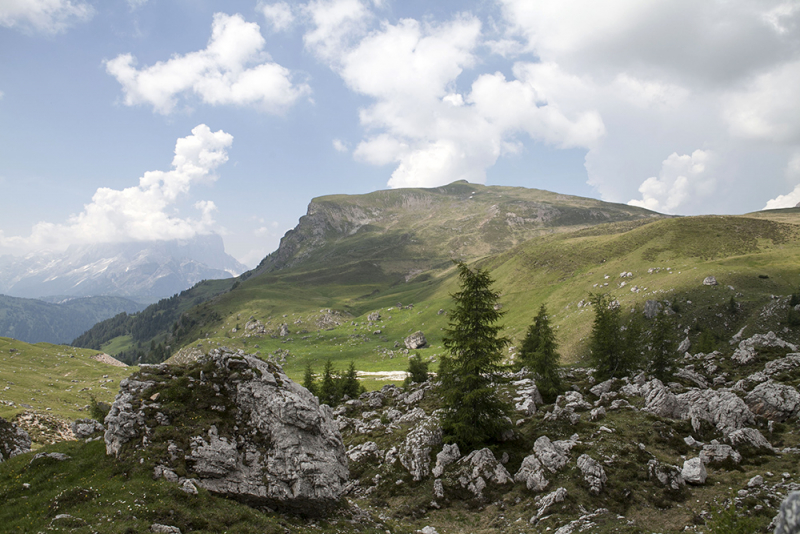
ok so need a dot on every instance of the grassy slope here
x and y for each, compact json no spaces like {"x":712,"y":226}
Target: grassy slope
{"x":559,"y":270}
{"x":53,"y":379}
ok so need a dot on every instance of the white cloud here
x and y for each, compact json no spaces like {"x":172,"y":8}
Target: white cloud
{"x":136,"y":4}
{"x":279,"y":15}
{"x":220,"y":74}
{"x":47,"y":16}
{"x":145,"y":212}
{"x":683,"y":180}
{"x":791,"y":199}
{"x":335,"y":24}
{"x":339,"y":145}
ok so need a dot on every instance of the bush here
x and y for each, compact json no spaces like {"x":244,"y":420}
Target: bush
{"x":417,"y":370}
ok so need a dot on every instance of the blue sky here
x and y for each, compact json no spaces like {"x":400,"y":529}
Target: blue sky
{"x":160,"y":119}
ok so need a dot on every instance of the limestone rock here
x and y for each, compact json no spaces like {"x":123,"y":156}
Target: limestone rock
{"x":721,"y":408}
{"x":603,"y":387}
{"x":553,"y":458}
{"x":597,"y":413}
{"x":158,"y":528}
{"x":746,"y":351}
{"x":365,"y":451}
{"x":651,"y":308}
{"x":775,"y":401}
{"x":86,"y":428}
{"x":782,"y":365}
{"x":415,"y":341}
{"x":549,"y":500}
{"x":788,"y":518}
{"x":284,"y":330}
{"x":415,"y":451}
{"x":710,"y":281}
{"x":480,"y":467}
{"x":694,"y":471}
{"x":13,"y":440}
{"x":685,"y":345}
{"x":593,"y":473}
{"x":669,"y":475}
{"x":448,"y":455}
{"x":750,"y":437}
{"x":660,"y":400}
{"x":275,"y":446}
{"x":531,"y":473}
{"x":374,"y":316}
{"x":717,"y":453}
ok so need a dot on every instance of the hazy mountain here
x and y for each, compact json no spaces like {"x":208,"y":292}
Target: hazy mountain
{"x":144,"y":270}
{"x":33,"y":320}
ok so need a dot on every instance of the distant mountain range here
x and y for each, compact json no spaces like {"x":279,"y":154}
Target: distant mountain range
{"x":142,"y":271}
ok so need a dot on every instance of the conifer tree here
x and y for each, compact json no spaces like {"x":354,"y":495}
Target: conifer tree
{"x":474,"y":414}
{"x":605,"y":342}
{"x":328,"y":393}
{"x":662,"y":347}
{"x":350,"y":385}
{"x":539,"y":354}
{"x":309,"y":381}
{"x":417,"y":370}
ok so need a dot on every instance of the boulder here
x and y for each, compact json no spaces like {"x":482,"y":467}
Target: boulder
{"x":710,"y":281}
{"x":669,"y":475}
{"x":773,"y":400}
{"x":782,"y":365}
{"x":603,"y":387}
{"x":415,"y":341}
{"x":531,"y":473}
{"x":660,"y":400}
{"x":415,"y":451}
{"x":552,"y":457}
{"x":549,"y":500}
{"x":254,"y":435}
{"x":448,"y":455}
{"x":284,"y":330}
{"x":593,"y":473}
{"x":86,"y":428}
{"x":750,"y":437}
{"x":13,"y":440}
{"x":651,"y":308}
{"x":717,"y":453}
{"x":479,"y":468}
{"x":694,"y":471}
{"x":374,"y":316}
{"x":721,"y":408}
{"x":365,"y":451}
{"x":788,"y":519}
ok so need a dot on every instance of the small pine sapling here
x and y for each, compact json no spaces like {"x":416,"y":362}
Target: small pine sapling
{"x":539,"y":354}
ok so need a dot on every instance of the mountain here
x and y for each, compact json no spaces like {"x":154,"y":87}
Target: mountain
{"x":34,"y":321}
{"x":141,"y":270}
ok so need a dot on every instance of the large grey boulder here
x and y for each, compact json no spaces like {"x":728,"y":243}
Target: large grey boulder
{"x":479,"y":468}
{"x":552,"y":457}
{"x":721,"y":408}
{"x":239,"y":426}
{"x":746,"y":351}
{"x":415,"y":451}
{"x":773,"y":400}
{"x":661,"y":401}
{"x":86,"y":428}
{"x":13,"y":440}
{"x":415,"y":341}
{"x":788,"y":519}
{"x":694,"y":471}
{"x":448,"y":455}
{"x":750,"y":437}
{"x":668,"y":475}
{"x":717,"y":453}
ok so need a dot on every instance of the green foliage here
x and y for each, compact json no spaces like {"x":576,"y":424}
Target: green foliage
{"x":729,"y":521}
{"x":309,"y":381}
{"x":662,"y":347}
{"x":327,"y":389}
{"x":707,"y":342}
{"x":733,"y":306}
{"x":335,"y":387}
{"x":474,"y":414}
{"x":793,"y":317}
{"x":614,"y":352}
{"x":417,"y":370}
{"x":539,"y":354}
{"x":348,"y":384}
{"x":98,"y":409}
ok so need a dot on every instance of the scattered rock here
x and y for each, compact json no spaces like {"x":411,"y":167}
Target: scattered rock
{"x":651,"y":308}
{"x":13,"y":440}
{"x":164,"y":529}
{"x":750,"y":437}
{"x":415,"y":452}
{"x":86,"y":428}
{"x":775,"y":401}
{"x":694,"y":471}
{"x":480,"y":467}
{"x":552,"y":457}
{"x":717,"y":453}
{"x":448,"y":455}
{"x":531,"y":472}
{"x":365,"y":451}
{"x":788,"y":519}
{"x":669,"y":475}
{"x":415,"y":341}
{"x":374,"y":316}
{"x":746,"y":351}
{"x":756,"y":481}
{"x":593,"y":473}
{"x":710,"y":281}
{"x":284,"y":330}
{"x":547,"y":501}
{"x":58,"y":456}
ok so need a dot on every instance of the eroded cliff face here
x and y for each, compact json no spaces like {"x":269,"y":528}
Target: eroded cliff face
{"x":234,"y":425}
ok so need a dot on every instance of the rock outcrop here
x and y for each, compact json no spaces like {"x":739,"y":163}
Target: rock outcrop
{"x":415,"y":452}
{"x":13,"y":440}
{"x":788,"y":519}
{"x":593,"y":473}
{"x":239,"y":425}
{"x":775,"y":401}
{"x":415,"y":341}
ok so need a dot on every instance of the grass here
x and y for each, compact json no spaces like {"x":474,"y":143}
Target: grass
{"x":53,"y":379}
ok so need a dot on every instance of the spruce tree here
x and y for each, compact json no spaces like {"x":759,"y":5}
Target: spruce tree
{"x":309,"y":381}
{"x":662,"y":347}
{"x":605,"y":342}
{"x":474,"y":414}
{"x":350,"y":385}
{"x":328,"y":392}
{"x":539,"y":354}
{"x":417,"y":370}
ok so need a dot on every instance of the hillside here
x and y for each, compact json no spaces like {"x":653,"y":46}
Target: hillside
{"x":34,"y":321}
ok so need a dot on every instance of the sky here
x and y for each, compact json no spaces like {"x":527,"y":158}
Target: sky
{"x":137,"y":120}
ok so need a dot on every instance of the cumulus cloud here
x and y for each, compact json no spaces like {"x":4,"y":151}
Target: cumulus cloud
{"x":339,"y":145}
{"x":145,"y":212}
{"x":791,"y":199}
{"x":46,"y":16}
{"x":233,"y":69}
{"x":683,"y":180}
{"x":279,"y":15}
{"x":432,"y":133}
